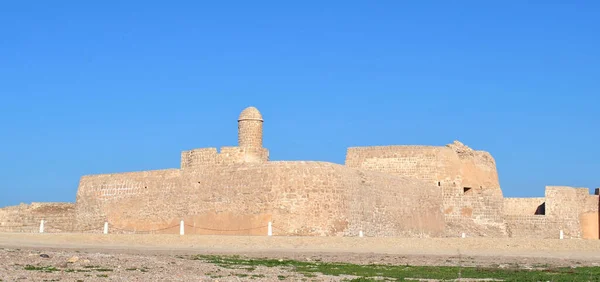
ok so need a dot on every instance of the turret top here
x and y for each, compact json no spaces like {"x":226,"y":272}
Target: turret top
{"x":250,"y":113}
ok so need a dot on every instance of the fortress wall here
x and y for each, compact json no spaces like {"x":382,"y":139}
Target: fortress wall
{"x":387,"y":205}
{"x":569,"y":209}
{"x":590,"y":217}
{"x":524,"y":206}
{"x":567,"y":206}
{"x":300,"y":198}
{"x":531,"y":226}
{"x":454,"y":165}
{"x":478,"y":213}
{"x":228,"y":155}
{"x":418,"y":162}
{"x":109,"y":197}
{"x":196,"y":157}
{"x":467,"y":179}
{"x":235,"y":155}
{"x":58,"y":217}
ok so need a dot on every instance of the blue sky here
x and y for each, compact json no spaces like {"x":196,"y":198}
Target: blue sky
{"x":91,"y":88}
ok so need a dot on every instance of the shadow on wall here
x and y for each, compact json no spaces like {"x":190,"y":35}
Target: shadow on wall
{"x":541,"y":209}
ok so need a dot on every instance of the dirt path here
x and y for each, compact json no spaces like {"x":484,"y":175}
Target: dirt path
{"x":160,"y":255}
{"x":548,"y":248}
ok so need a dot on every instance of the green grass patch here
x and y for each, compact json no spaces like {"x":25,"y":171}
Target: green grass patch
{"x":401,"y":272}
{"x":41,"y":268}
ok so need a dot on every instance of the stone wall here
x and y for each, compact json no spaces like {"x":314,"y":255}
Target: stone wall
{"x":531,"y":226}
{"x":228,"y":155}
{"x":58,"y":217}
{"x":572,"y":210}
{"x":454,"y":165}
{"x":564,"y":206}
{"x":467,"y":181}
{"x":590,"y":217}
{"x":409,"y":191}
{"x":524,"y":206}
{"x":300,"y":198}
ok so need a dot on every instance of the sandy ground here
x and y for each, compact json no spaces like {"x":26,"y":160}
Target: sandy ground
{"x":166,"y":257}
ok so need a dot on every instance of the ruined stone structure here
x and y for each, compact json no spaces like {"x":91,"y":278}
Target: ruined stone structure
{"x":407,"y":191}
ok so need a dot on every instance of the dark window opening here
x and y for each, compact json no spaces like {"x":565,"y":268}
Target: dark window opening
{"x":439,"y":183}
{"x":466,"y":190}
{"x":541,"y":209}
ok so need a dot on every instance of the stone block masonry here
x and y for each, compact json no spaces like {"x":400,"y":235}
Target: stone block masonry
{"x":59,"y":217}
{"x":467,"y":180}
{"x":402,"y":191}
{"x":300,"y":198}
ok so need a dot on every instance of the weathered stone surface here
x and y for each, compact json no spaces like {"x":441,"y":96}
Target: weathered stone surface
{"x":408,"y":191}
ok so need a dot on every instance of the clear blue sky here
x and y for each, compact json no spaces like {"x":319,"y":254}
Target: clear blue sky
{"x":91,"y":88}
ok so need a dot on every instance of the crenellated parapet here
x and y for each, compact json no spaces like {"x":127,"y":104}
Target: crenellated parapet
{"x":227,"y":155}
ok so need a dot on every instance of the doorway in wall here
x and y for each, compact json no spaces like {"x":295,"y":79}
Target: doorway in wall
{"x":541,"y":209}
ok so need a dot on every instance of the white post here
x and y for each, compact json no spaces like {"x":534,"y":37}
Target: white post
{"x":106,"y":228}
{"x":464,"y":235}
{"x":270,"y":229}
{"x":360,"y":233}
{"x":181,"y":228}
{"x":42,"y":226}
{"x":562,"y":235}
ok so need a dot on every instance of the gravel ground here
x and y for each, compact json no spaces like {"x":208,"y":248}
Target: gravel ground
{"x":29,"y":265}
{"x":167,"y":258}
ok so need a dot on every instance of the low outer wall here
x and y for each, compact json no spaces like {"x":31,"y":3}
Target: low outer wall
{"x":574,"y":210}
{"x":589,"y":218}
{"x":58,"y":217}
{"x":524,"y":206}
{"x":569,"y":209}
{"x":300,"y":198}
{"x":531,"y":226}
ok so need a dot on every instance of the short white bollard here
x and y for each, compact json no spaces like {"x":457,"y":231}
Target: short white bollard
{"x":270,"y":229}
{"x":562,"y":236}
{"x":464,"y":235}
{"x":42,"y":226}
{"x":181,"y":228}
{"x":360,"y":234}
{"x":106,"y":228}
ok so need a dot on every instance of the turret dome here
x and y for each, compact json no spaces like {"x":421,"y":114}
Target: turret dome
{"x":250,"y":113}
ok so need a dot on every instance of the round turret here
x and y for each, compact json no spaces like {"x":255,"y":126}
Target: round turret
{"x":250,"y":130}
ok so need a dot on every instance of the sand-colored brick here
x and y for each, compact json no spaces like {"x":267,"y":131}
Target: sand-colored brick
{"x":405,"y":191}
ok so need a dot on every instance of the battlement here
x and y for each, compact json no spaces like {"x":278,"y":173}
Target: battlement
{"x":227,"y":155}
{"x":398,"y":190}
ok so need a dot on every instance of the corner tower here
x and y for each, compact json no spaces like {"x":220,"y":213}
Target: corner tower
{"x":250,"y":128}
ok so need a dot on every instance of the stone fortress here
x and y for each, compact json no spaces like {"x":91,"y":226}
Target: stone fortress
{"x":403,"y":191}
